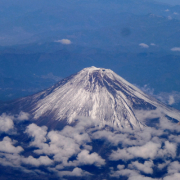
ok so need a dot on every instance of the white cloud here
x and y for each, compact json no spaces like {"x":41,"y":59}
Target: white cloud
{"x":174,"y":138}
{"x":9,"y":156}
{"x":124,"y":172}
{"x":140,"y":177}
{"x":168,"y":150}
{"x":152,"y":44}
{"x":120,"y":167}
{"x":120,"y":154}
{"x":22,"y":116}
{"x":77,"y":133}
{"x":147,"y":89}
{"x":171,"y":100}
{"x":85,"y":158}
{"x":76,"y":172}
{"x":174,"y":167}
{"x":110,"y":136}
{"x":169,"y":17}
{"x":175,"y":176}
{"x":165,"y":97}
{"x":167,"y":10}
{"x":142,"y":115}
{"x":42,"y":160}
{"x":76,"y":142}
{"x":171,"y":148}
{"x":167,"y":124}
{"x":62,"y":147}
{"x":146,"y":167}
{"x":149,"y":150}
{"x":175,"y":49}
{"x":6,"y":145}
{"x":129,"y":138}
{"x":162,"y":165}
{"x":64,"y":41}
{"x":51,"y":76}
{"x":6,"y":123}
{"x":87,"y":147}
{"x":38,"y":133}
{"x":143,"y":45}
{"x":64,"y":144}
{"x":133,"y":174}
{"x":13,"y":160}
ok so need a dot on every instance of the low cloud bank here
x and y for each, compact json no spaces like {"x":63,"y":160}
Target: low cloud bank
{"x":134,"y":154}
{"x":62,"y":145}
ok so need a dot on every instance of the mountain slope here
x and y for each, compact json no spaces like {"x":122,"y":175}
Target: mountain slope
{"x":96,"y":93}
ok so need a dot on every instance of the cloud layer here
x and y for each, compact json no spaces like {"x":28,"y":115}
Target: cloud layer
{"x":113,"y":153}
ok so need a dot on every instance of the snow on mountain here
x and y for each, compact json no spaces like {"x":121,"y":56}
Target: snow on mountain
{"x":96,"y":93}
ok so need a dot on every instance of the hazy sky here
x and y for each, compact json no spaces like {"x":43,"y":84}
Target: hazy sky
{"x":172,"y":2}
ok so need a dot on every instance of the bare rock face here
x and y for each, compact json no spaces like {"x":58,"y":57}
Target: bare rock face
{"x":95,"y":93}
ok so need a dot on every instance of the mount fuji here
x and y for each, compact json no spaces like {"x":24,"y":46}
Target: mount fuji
{"x":91,"y":125}
{"x":96,"y":93}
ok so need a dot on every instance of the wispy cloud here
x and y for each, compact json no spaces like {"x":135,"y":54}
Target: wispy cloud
{"x":169,"y":98}
{"x":51,"y":76}
{"x":22,"y":116}
{"x":169,"y":17}
{"x":64,"y":41}
{"x":143,"y":45}
{"x":153,"y":44}
{"x":175,"y":49}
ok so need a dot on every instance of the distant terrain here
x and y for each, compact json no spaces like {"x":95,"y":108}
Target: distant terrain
{"x":137,"y":40}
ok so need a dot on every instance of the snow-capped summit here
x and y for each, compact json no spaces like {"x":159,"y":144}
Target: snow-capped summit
{"x":93,"y":92}
{"x":96,"y":93}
